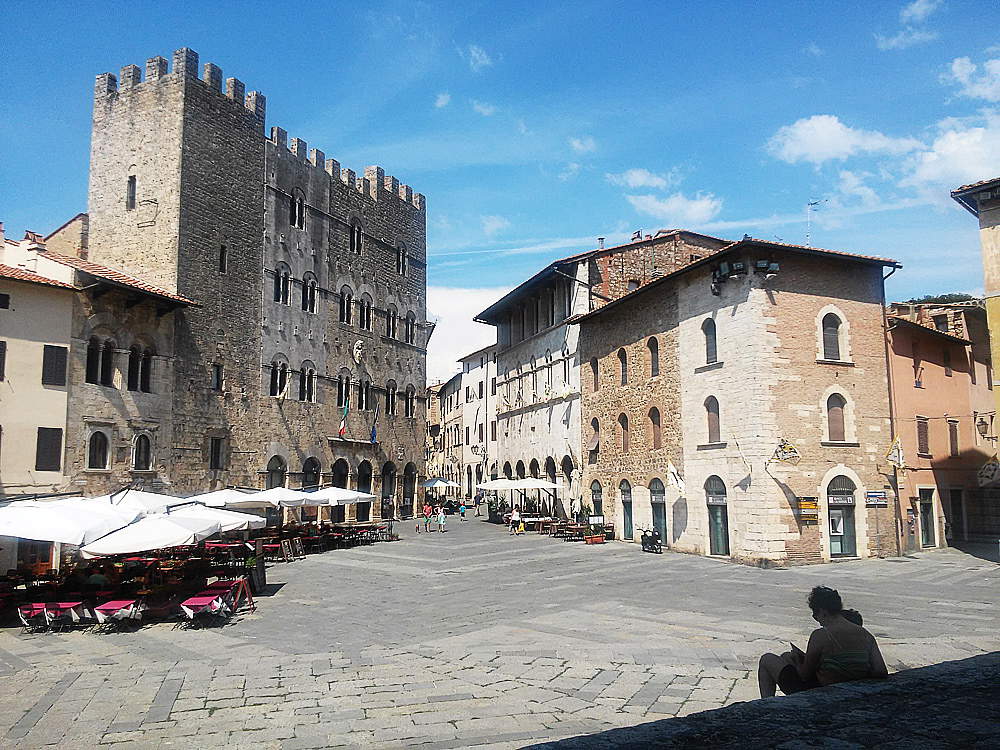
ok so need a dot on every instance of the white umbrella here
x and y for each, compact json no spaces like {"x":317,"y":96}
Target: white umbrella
{"x":284,"y":497}
{"x":531,"y":483}
{"x":227,"y":519}
{"x":232,"y":498}
{"x":155,"y":531}
{"x":139,"y":500}
{"x":497,"y":484}
{"x":437,"y":482}
{"x":336,"y":496}
{"x":67,"y":521}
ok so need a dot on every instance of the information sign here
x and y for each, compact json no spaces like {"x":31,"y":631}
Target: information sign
{"x":877,"y":499}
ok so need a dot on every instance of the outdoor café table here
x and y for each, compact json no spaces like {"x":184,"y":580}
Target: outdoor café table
{"x":66,"y":611}
{"x":119,"y":609}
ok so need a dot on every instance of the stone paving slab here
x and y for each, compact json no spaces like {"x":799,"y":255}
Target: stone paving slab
{"x":472,"y":639}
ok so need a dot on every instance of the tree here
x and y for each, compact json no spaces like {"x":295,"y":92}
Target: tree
{"x":941,"y":299}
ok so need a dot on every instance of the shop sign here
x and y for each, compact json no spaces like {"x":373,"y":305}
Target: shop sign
{"x":716,"y":499}
{"x":808,"y":508}
{"x":840,"y":499}
{"x":877,"y":499}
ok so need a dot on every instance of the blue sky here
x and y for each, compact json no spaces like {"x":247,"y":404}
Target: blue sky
{"x":533,"y":128}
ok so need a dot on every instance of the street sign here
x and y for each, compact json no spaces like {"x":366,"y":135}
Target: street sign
{"x":877,"y":499}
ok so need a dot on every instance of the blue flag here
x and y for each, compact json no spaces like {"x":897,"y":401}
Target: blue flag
{"x":375,"y":424}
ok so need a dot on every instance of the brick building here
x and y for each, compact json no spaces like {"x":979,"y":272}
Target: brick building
{"x":940,"y":365}
{"x":309,"y":286}
{"x":538,"y":367}
{"x":707,"y":369}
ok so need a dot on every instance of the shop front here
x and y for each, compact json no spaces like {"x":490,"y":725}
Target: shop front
{"x":718,"y":516}
{"x":840,"y":502}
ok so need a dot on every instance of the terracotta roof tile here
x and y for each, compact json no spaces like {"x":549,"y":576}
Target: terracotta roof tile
{"x":929,"y":329}
{"x":116,"y":277}
{"x":20,"y":274}
{"x":972,"y":185}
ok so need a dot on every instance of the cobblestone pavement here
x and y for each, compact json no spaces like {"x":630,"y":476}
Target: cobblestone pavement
{"x":470,"y":638}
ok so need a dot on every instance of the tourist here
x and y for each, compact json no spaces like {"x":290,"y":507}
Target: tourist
{"x":838,"y":651}
{"x":441,"y":519}
{"x":96,"y":578}
{"x":515,"y":521}
{"x":461,"y":510}
{"x":478,"y":501}
{"x":427,"y":516}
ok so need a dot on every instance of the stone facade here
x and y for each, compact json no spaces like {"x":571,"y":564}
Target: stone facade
{"x":767,"y":378}
{"x":304,"y":276}
{"x":479,"y":426}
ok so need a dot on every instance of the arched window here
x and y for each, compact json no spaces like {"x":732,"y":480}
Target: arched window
{"x":718,"y":516}
{"x":655,"y":431}
{"x":297,"y":209}
{"x":508,"y":472}
{"x":391,"y":316}
{"x":364,"y":396}
{"x":654,"y":356}
{"x":279,"y":378}
{"x":277,"y":469}
{"x":108,"y":363}
{"x":282,"y":283}
{"x":625,"y":491}
{"x":346,"y":305}
{"x":841,"y":486}
{"x":410,"y":484}
{"x":623,"y":426}
{"x":596,"y":498}
{"x":519,"y":468}
{"x":364,"y":483}
{"x":94,"y":361}
{"x":402,"y":259}
{"x":715,"y":487}
{"x":146,"y":371}
{"x":712,"y":418}
{"x":565,"y":368}
{"x":365,"y":312}
{"x":97,"y":451}
{"x":388,"y":480}
{"x":594,"y":446}
{"x":357,"y":238}
{"x":311,"y":473}
{"x":836,"y":425}
{"x":134,"y":366}
{"x":711,"y":349}
{"x":340,"y":473}
{"x":831,"y":337}
{"x":623,"y":365}
{"x":307,"y":382}
{"x":309,"y":293}
{"x":390,"y":398}
{"x":141,"y":453}
{"x":411,"y":401}
{"x":410,"y":328}
{"x":343,"y":388}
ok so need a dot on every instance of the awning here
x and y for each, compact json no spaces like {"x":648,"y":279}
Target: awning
{"x":336,"y":496}
{"x":438,"y":482}
{"x":232,"y":498}
{"x":138,"y":500}
{"x":156,"y":531}
{"x":68,"y":521}
{"x":227,"y":519}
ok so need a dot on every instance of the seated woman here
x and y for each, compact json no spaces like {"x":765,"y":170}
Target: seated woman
{"x":838,"y":651}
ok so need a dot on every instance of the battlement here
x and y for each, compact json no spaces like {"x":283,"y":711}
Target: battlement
{"x":185,"y":63}
{"x":375,"y":184}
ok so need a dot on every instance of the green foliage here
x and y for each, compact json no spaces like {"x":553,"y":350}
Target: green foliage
{"x":941,"y":299}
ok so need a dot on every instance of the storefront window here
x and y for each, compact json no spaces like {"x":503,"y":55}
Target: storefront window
{"x":840,"y":509}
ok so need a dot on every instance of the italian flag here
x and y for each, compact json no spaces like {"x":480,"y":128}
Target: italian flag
{"x":343,"y":419}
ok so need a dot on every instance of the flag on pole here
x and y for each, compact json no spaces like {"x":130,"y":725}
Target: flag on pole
{"x":343,"y":419}
{"x":375,"y":425}
{"x":895,"y":454}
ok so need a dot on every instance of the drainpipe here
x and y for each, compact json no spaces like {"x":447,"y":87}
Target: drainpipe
{"x":898,"y":531}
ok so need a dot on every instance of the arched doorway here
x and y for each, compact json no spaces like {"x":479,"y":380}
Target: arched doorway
{"x":658,"y":501}
{"x":718,"y":516}
{"x":339,"y":475}
{"x":569,"y":492}
{"x":468,"y":480}
{"x":409,"y":490}
{"x":388,"y":489}
{"x":277,"y":469}
{"x":363,"y":510}
{"x":840,"y":509}
{"x":311,"y":471}
{"x":550,"y":475}
{"x":508,"y":472}
{"x":625,"y":493}
{"x":520,"y":469}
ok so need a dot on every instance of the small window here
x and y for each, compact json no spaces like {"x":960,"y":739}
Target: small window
{"x":656,"y":432}
{"x":94,"y":361}
{"x":130,"y":191}
{"x":343,"y":389}
{"x":365,"y":313}
{"x":134,"y":365}
{"x":218,"y":377}
{"x":632,"y":285}
{"x":712,"y":418}
{"x":596,"y":498}
{"x":223,"y":259}
{"x":216,"y":456}
{"x":623,"y":365}
{"x":953,"y":446}
{"x":279,"y":378}
{"x":108,"y":363}
{"x":141,"y":453}
{"x":923,"y":436}
{"x":390,"y":398}
{"x":4,"y":301}
{"x":467,"y":433}
{"x":307,"y":384}
{"x":357,"y":238}
{"x":97,"y":451}
{"x":402,"y":259}
{"x":654,"y":356}
{"x":296,"y":210}
{"x":346,"y":305}
{"x":146,"y":372}
{"x":623,"y":427}
{"x":411,"y":401}
{"x":835,"y":418}
{"x":410,"y":328}
{"x":391,"y":317}
{"x":711,"y":347}
{"x":3,"y":359}
{"x":309,"y":294}
{"x":48,"y":449}
{"x":493,"y":431}
{"x":946,"y":361}
{"x":54,"y":365}
{"x":941,"y":323}
{"x":595,"y":374}
{"x":831,"y":337}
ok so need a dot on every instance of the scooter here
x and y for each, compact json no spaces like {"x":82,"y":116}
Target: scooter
{"x":651,"y":542}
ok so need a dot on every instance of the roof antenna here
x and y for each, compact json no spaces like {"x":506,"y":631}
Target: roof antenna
{"x":810,"y":207}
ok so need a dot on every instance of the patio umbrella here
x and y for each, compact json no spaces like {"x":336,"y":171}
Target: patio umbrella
{"x":497,"y":484}
{"x":232,"y":498}
{"x":283,"y":497}
{"x":336,"y":496}
{"x":68,"y":521}
{"x":138,"y":500}
{"x":437,"y":483}
{"x":227,"y":519}
{"x":531,"y":483}
{"x":155,"y":531}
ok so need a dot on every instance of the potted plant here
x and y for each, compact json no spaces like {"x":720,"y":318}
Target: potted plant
{"x":594,"y":534}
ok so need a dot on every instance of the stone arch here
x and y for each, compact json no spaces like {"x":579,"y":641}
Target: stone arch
{"x":844,"y":338}
{"x":276,"y":472}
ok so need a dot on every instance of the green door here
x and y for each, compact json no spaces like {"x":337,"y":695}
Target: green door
{"x":927,"y":517}
{"x":627,"y":519}
{"x":718,"y":530}
{"x":660,"y":520}
{"x":842,"y":536}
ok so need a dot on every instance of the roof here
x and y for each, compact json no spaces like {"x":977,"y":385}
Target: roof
{"x":746,"y":242}
{"x":20,"y":274}
{"x":961,"y":194}
{"x":928,"y":329}
{"x":116,"y":278}
{"x":551,"y":267}
{"x":478,"y":351}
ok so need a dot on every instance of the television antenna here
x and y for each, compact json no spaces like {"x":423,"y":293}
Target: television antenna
{"x":810,"y":207}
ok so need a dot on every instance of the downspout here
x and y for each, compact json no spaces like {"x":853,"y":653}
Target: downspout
{"x":892,"y":417}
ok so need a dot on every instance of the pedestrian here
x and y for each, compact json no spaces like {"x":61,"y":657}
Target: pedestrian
{"x":441,"y":520}
{"x":461,"y":510}
{"x":479,"y":502}
{"x":427,"y":516}
{"x":515,"y":520}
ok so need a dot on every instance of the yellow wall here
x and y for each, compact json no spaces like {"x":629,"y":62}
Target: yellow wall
{"x":989,"y":236}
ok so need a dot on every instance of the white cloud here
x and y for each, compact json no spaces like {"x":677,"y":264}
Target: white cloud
{"x":484,"y":108}
{"x":638,"y":177}
{"x":918,"y":10}
{"x":493,"y":224}
{"x":678,"y":210}
{"x":477,"y":57}
{"x":852,"y":186}
{"x":962,"y":71}
{"x":572,"y":170}
{"x":964,"y":151}
{"x":442,"y":99}
{"x":456,"y":334}
{"x":583,"y":144}
{"x":905,"y":38}
{"x":821,"y":138}
{"x":813,"y":49}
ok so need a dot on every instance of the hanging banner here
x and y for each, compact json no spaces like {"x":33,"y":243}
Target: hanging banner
{"x":786,"y":452}
{"x":989,"y":473}
{"x":895,"y":454}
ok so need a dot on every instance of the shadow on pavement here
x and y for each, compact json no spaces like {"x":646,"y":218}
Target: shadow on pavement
{"x":983,"y":550}
{"x":949,"y":705}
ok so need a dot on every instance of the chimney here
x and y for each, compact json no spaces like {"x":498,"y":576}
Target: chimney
{"x":600,"y":243}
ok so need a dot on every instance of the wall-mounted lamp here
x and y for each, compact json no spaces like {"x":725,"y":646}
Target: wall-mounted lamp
{"x":984,"y":427}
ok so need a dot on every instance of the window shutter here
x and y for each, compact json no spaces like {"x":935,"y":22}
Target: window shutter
{"x":923,"y":441}
{"x":54,"y":365}
{"x":953,"y":438}
{"x":835,"y":418}
{"x":48,"y":449}
{"x":831,"y":337}
{"x":3,"y":359}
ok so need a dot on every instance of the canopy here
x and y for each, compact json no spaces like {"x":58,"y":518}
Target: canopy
{"x":336,"y":496}
{"x":138,"y":500}
{"x":284,"y":497}
{"x":155,"y":531}
{"x":532,"y":483}
{"x":68,"y":521}
{"x":438,"y":482}
{"x":227,"y":519}
{"x":497,"y":484}
{"x":232,"y":498}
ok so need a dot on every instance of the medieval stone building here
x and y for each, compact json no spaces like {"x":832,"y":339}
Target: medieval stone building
{"x":300,"y":359}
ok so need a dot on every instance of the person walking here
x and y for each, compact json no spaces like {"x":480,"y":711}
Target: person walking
{"x":427,"y":516}
{"x":479,"y":502}
{"x":515,"y":520}
{"x":461,"y":510}
{"x":441,"y":520}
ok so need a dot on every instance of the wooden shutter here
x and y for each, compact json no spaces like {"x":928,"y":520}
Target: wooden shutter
{"x":48,"y":449}
{"x":3,"y":359}
{"x":923,"y":440}
{"x":953,"y":438}
{"x":835,"y":418}
{"x":54,"y":365}
{"x":712,"y":414}
{"x":831,"y":337}
{"x":711,"y":348}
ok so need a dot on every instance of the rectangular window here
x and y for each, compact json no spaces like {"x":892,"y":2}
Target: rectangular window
{"x":3,"y":359}
{"x":48,"y":449}
{"x":4,"y":301}
{"x":223,"y":259}
{"x":923,"y":438}
{"x":481,"y":389}
{"x":493,"y":387}
{"x":54,"y":365}
{"x":482,"y":431}
{"x":953,"y":438}
{"x":493,"y":431}
{"x":130,"y":193}
{"x":946,"y":360}
{"x":941,"y":323}
{"x":467,"y":441}
{"x":216,"y":456}
{"x":218,"y":377}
